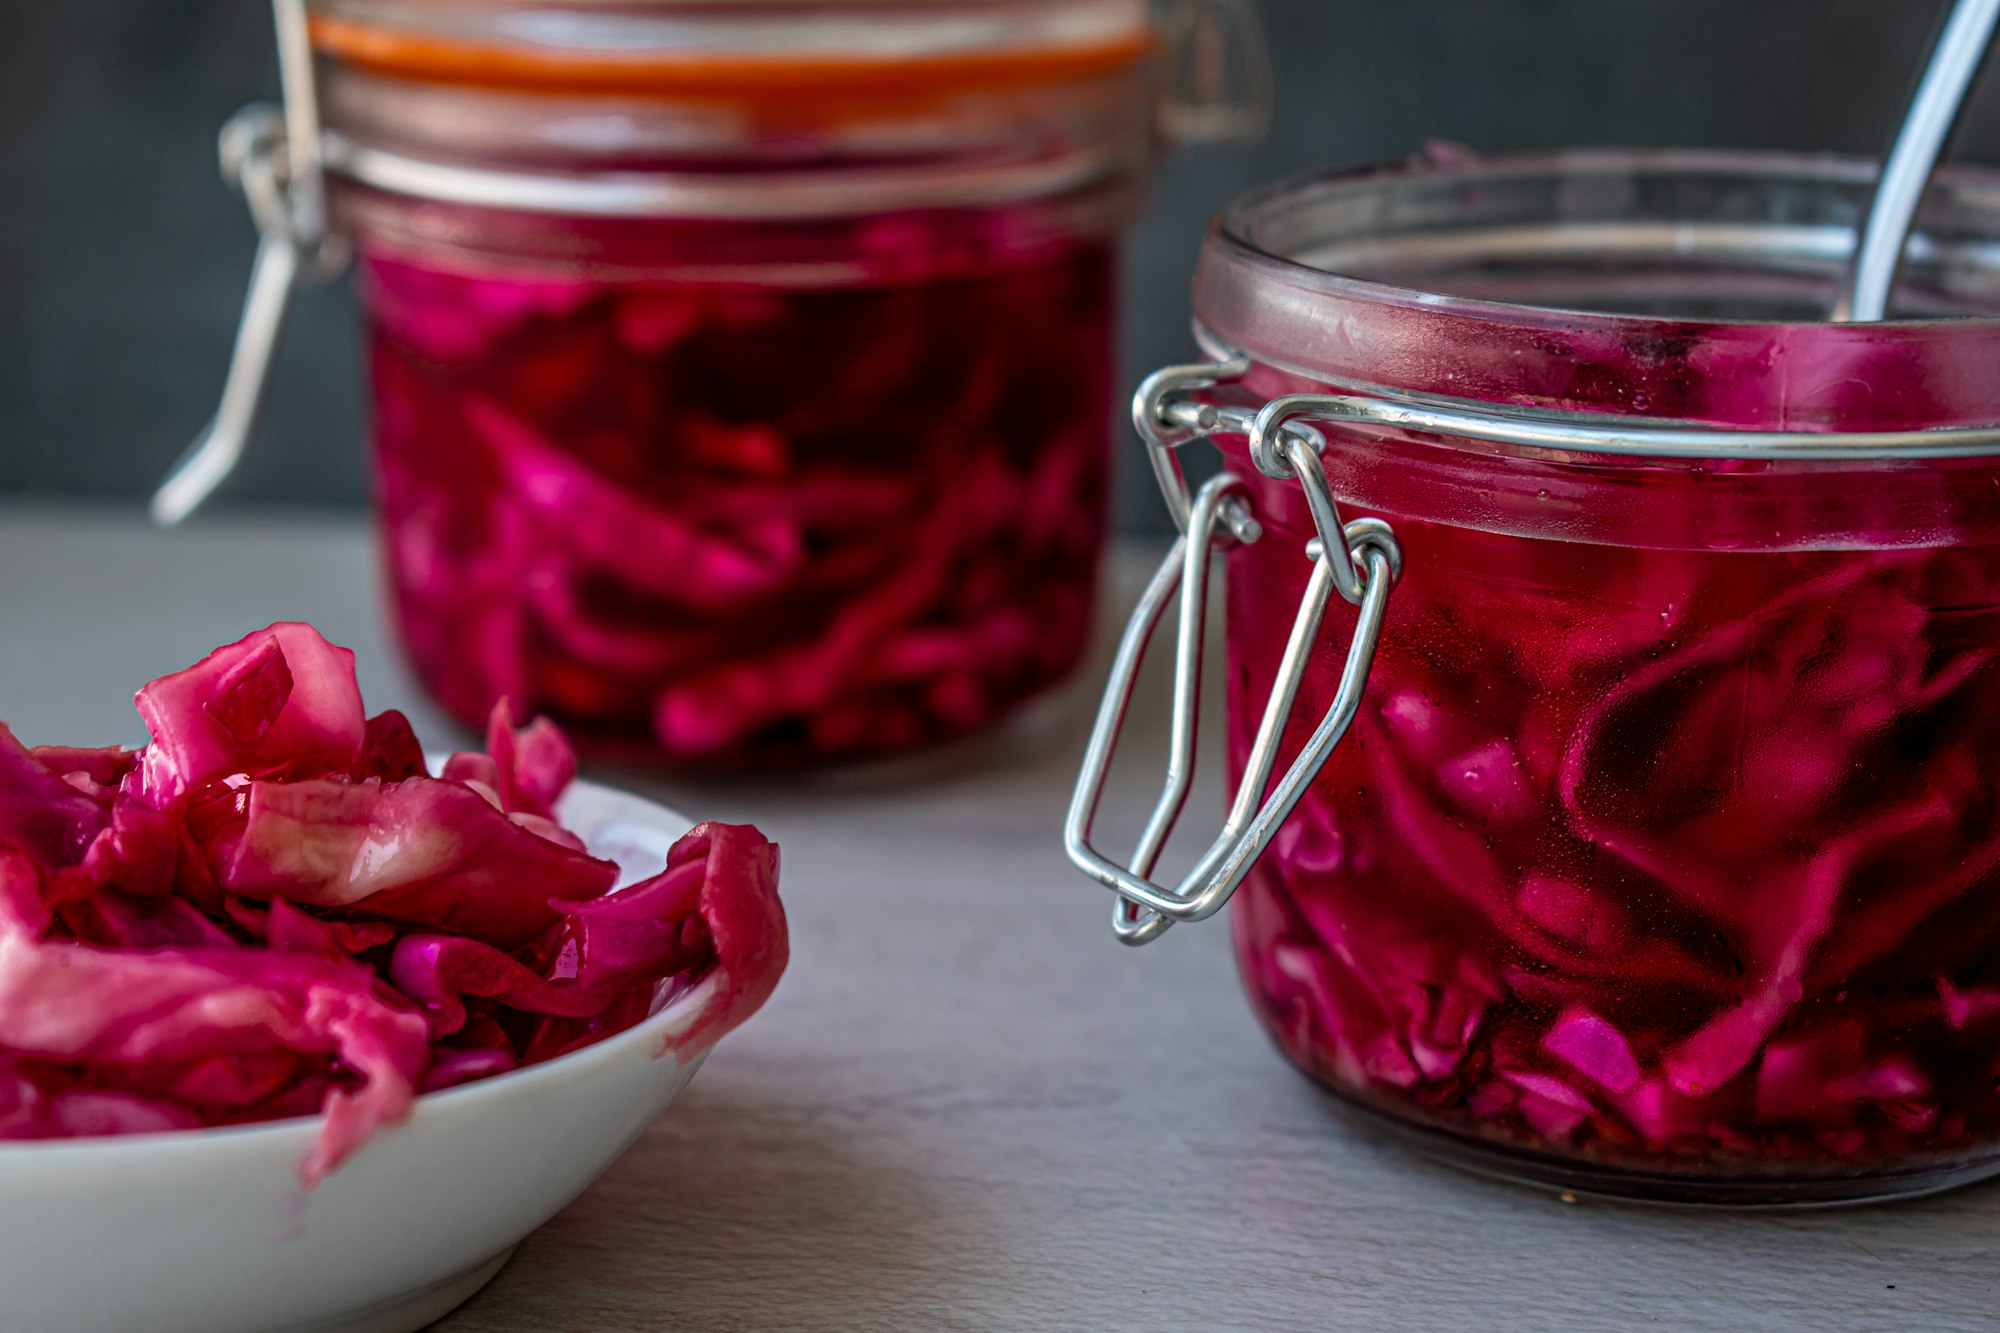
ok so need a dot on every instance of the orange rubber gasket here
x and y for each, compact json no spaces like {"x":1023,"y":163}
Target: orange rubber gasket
{"x":800,"y":80}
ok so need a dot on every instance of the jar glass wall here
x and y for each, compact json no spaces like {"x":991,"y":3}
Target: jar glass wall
{"x":742,"y":377}
{"x":1662,"y":858}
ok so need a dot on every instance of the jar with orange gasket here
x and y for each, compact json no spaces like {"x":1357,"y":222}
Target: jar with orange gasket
{"x":742,"y":373}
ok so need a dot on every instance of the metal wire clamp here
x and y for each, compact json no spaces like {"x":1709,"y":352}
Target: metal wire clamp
{"x":273,"y":157}
{"x":1361,"y":560}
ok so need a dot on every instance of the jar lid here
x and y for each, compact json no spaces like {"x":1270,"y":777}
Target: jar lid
{"x":790,"y":50}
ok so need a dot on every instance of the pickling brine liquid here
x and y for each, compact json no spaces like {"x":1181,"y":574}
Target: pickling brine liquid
{"x":746,"y":523}
{"x":1678,"y":861}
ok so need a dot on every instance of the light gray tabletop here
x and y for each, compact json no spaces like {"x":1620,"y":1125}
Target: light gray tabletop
{"x":967,"y":1107}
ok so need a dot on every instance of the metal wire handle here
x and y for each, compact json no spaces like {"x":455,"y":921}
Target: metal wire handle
{"x":1362,"y":561}
{"x":272,"y":157}
{"x":292,"y":250}
{"x":1219,"y":86}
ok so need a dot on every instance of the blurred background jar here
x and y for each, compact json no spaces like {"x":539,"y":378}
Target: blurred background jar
{"x":742,"y":374}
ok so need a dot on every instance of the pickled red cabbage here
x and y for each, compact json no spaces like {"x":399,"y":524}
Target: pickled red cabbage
{"x":736,"y":525}
{"x":1670,"y":860}
{"x":272,"y":909}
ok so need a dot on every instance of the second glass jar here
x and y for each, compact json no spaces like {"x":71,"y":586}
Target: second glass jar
{"x":1659,"y":860}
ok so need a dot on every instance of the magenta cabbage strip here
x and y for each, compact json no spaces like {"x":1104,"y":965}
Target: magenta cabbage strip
{"x":1666,"y":859}
{"x":273,"y":909}
{"x":743,"y":525}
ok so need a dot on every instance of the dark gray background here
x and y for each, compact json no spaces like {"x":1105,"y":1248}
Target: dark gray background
{"x":122,"y":258}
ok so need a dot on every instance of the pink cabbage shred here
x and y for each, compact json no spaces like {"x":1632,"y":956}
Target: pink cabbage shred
{"x":1666,"y":838}
{"x":745,"y":525}
{"x":273,"y":909}
{"x":1667,"y":859}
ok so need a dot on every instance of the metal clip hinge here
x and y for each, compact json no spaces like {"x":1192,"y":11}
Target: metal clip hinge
{"x":272,"y":157}
{"x":1218,"y":86}
{"x":1363,"y":565}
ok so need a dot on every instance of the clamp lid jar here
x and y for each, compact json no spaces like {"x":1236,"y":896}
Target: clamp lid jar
{"x":741,"y":371}
{"x":1633,"y":833}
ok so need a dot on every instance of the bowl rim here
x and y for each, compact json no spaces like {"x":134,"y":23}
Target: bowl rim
{"x":655,"y":1030}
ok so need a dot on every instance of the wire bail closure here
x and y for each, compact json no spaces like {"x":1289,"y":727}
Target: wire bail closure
{"x":272,"y":157}
{"x":1361,"y":560}
{"x":1219,"y":85}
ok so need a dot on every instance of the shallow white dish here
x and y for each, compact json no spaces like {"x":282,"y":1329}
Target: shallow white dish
{"x":209,"y":1231}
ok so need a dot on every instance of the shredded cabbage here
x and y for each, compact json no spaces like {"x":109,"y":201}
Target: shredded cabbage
{"x":1670,"y":859}
{"x":736,"y":526}
{"x":273,"y":909}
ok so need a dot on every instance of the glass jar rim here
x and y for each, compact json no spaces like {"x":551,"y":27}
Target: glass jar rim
{"x":798,"y":50}
{"x":1406,"y":283}
{"x":765,"y":110}
{"x":1233,"y":239}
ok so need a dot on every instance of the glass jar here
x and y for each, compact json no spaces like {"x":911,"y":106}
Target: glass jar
{"x":741,"y":371}
{"x":1639,"y":839}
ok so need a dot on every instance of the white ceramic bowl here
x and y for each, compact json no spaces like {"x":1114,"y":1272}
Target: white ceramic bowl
{"x":209,"y":1231}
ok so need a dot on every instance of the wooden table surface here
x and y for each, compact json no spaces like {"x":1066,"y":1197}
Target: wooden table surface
{"x":967,"y":1107}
